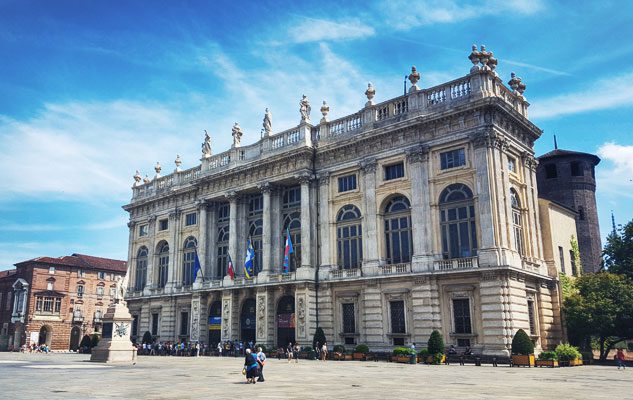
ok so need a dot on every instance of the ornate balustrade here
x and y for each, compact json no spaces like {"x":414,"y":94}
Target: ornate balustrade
{"x":345,"y":273}
{"x":456,"y":263}
{"x":393,"y":269}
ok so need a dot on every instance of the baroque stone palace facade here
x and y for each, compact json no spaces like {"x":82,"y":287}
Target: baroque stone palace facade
{"x":413,"y":214}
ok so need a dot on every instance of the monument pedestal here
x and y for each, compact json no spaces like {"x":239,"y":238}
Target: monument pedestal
{"x":115,"y":345}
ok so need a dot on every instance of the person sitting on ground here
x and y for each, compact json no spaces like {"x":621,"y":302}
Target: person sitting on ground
{"x":251,"y":365}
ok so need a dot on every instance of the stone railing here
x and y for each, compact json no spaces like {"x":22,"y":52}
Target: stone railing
{"x":456,"y":263}
{"x":392,"y":269}
{"x":413,"y":104}
{"x":345,"y":273}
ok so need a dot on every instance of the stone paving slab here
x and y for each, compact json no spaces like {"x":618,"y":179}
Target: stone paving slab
{"x":72,"y":376}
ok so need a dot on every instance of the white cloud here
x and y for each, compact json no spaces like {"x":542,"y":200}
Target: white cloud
{"x":616,"y":177}
{"x":606,"y":93}
{"x":316,"y":30}
{"x":405,"y":15}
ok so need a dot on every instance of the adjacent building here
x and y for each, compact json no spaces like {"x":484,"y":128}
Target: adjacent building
{"x":56,"y":301}
{"x":416,"y":213}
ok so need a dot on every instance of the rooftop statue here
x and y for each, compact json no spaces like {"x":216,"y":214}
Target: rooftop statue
{"x":237,"y":135}
{"x":268,"y":124}
{"x":206,"y":146}
{"x":304,"y":108}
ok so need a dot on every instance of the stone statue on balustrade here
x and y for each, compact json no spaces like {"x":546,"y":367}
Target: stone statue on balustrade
{"x":268,"y":124}
{"x":206,"y":146}
{"x":304,"y":109}
{"x":237,"y":135}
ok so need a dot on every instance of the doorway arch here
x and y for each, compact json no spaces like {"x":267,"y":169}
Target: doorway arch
{"x":75,"y":336}
{"x":285,"y":321}
{"x":215,"y":324}
{"x":46,"y":336}
{"x":248,"y":321}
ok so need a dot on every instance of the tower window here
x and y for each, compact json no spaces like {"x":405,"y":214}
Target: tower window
{"x":576,"y":169}
{"x":550,"y":171}
{"x":581,"y":213}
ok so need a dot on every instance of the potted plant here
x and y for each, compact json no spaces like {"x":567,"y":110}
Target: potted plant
{"x":436,"y":349}
{"x":309,"y":352}
{"x":339,"y":352}
{"x":568,"y":355}
{"x":522,"y":349}
{"x":423,"y":355}
{"x":360,"y":352}
{"x":547,"y":359}
{"x":402,"y":355}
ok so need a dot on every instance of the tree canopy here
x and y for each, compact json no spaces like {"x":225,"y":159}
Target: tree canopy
{"x":602,"y":307}
{"x":618,"y":252}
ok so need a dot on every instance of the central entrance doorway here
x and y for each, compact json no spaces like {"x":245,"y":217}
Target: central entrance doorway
{"x":285,"y":320}
{"x":215,"y":324}
{"x":247,"y":321}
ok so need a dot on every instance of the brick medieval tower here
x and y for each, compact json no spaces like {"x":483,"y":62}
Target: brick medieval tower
{"x":568,"y":177}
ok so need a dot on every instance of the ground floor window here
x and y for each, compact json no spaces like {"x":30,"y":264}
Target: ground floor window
{"x":349,"y":319}
{"x":461,"y":316}
{"x":531,"y":317}
{"x":397,"y":317}
{"x":154,"y":324}
{"x":184,"y":323}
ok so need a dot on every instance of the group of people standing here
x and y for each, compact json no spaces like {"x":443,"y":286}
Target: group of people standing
{"x":254,"y":365}
{"x":172,"y":349}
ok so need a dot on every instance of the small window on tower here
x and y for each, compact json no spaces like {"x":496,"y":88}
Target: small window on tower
{"x":550,"y":171}
{"x":576,"y":169}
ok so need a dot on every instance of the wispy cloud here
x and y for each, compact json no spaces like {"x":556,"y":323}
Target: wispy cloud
{"x":616,"y":177}
{"x":603,"y":94}
{"x":535,"y":67}
{"x":114,"y":223}
{"x":317,"y":30}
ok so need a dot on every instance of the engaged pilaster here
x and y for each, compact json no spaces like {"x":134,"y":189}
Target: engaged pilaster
{"x":370,"y":241}
{"x":417,"y":159}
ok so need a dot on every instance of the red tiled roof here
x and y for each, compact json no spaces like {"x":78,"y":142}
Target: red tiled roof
{"x":82,"y":261}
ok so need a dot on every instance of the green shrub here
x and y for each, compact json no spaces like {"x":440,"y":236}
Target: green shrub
{"x":436,"y":343}
{"x":423,"y":352}
{"x":86,"y":343}
{"x":339,"y":349}
{"x":548,"y":356}
{"x":567,"y":352}
{"x":147,"y":338}
{"x":437,"y":358}
{"x":404,"y":351}
{"x":95,"y":340}
{"x":521,"y":344}
{"x":319,"y":336}
{"x":361,"y":348}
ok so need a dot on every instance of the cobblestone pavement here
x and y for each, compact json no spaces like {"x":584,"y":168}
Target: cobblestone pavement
{"x":72,"y":376}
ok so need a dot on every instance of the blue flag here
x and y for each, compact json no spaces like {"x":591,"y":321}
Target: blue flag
{"x":248,"y":262}
{"x":196,"y":266}
{"x":287,"y":252}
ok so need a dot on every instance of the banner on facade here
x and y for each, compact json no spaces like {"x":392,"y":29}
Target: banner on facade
{"x":286,"y":320}
{"x":215,"y":323}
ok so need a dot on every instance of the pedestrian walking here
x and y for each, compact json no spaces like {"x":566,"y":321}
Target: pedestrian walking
{"x":324,"y":351}
{"x":297,"y":351}
{"x":619,"y":357}
{"x":289,"y":352}
{"x":251,"y":366}
{"x":261,"y":360}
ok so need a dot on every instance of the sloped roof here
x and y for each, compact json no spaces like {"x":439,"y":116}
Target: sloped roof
{"x":81,"y":261}
{"x":569,"y":153}
{"x":7,"y":273}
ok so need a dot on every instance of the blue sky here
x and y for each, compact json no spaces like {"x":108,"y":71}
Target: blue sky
{"x":92,"y":91}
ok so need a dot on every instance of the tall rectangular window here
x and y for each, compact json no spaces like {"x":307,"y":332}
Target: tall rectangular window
{"x":512,"y":164}
{"x":550,"y":171}
{"x":397,"y":316}
{"x":531,"y":317}
{"x":349,"y":319}
{"x":155,"y":324}
{"x":394,"y":171}
{"x":453,"y":159}
{"x":184,"y":323}
{"x":99,"y":291}
{"x":461,"y":313}
{"x":80,"y":291}
{"x":163,"y":224}
{"x":143,"y":230}
{"x":576,"y":169}
{"x":346,"y":183}
{"x":190,"y":219}
{"x":561,"y":255}
{"x":8,"y":305}
{"x":101,"y":275}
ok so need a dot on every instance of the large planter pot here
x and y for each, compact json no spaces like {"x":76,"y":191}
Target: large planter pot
{"x":575,"y":362}
{"x":348,"y":357}
{"x":401,"y":359}
{"x":547,"y":363}
{"x":523,"y":361}
{"x":430,"y":359}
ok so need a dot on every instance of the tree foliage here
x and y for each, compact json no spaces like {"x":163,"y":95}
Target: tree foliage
{"x":602,"y":307}
{"x":618,"y":252}
{"x":319,"y":337}
{"x":436,"y":343}
{"x":575,"y":252}
{"x":522,"y":344}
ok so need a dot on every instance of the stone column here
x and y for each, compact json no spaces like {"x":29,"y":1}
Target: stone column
{"x":370,"y":232}
{"x":421,"y":223}
{"x":212,"y":233}
{"x":151,"y":256}
{"x":227,"y":316}
{"x":267,"y":229}
{"x":533,"y":222}
{"x":482,"y":144}
{"x":261,"y":335}
{"x":131,"y":257}
{"x":324,"y":224}
{"x":306,"y":228}
{"x":275,"y":224}
{"x":232,"y":197}
{"x":194,"y":320}
{"x":501,"y":190}
{"x":174,"y":246}
{"x":202,"y":240}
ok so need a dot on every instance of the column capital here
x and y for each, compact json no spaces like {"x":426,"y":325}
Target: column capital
{"x":231,"y":195}
{"x":529,"y":161}
{"x":417,"y":154}
{"x":487,"y":138}
{"x":305,"y":178}
{"x":323,"y":178}
{"x":151,"y":219}
{"x":368,"y":165}
{"x":266,"y":187}
{"x":175,"y":214}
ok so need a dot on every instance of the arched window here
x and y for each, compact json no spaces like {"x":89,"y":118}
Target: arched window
{"x":189,"y":259}
{"x":398,"y":230}
{"x":223,"y":251}
{"x":349,"y":242}
{"x":457,"y":222}
{"x":517,"y":222}
{"x":255,"y":232}
{"x":141,"y":269}
{"x":292,"y":224}
{"x":163,"y":264}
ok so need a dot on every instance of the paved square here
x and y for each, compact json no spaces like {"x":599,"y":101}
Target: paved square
{"x":71,"y":376}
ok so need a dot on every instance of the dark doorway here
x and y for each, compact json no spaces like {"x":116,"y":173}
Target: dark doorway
{"x":45,"y":336}
{"x":215,"y":324}
{"x":285,"y":321}
{"x":75,"y":335}
{"x":247,"y":321}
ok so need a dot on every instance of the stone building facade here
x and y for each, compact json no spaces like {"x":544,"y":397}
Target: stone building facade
{"x":413,"y":214}
{"x":568,"y":177}
{"x":56,"y":301}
